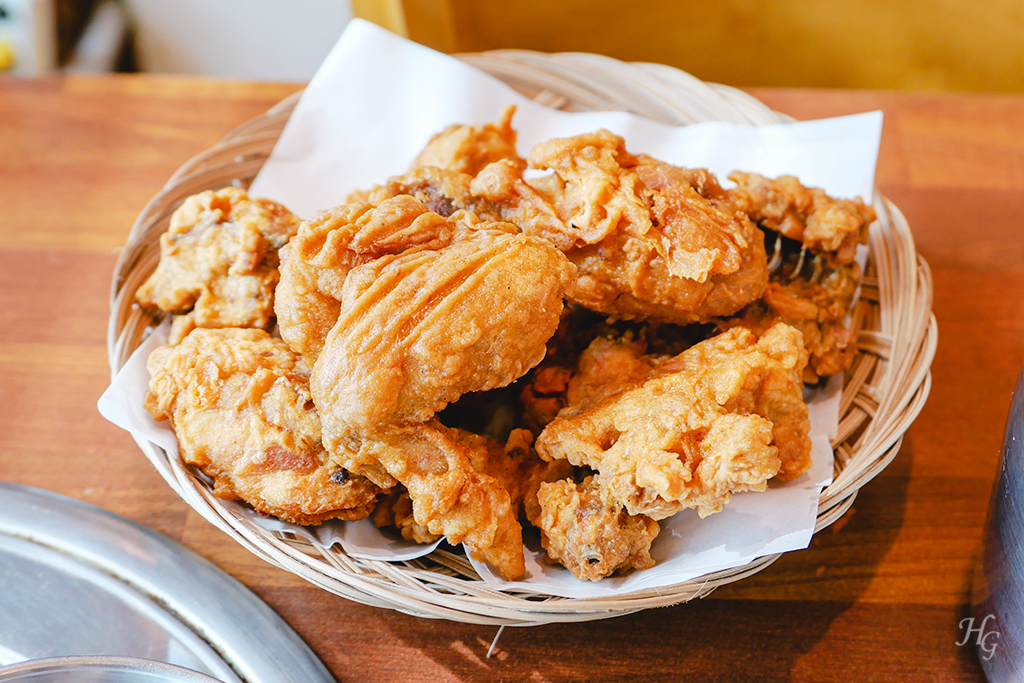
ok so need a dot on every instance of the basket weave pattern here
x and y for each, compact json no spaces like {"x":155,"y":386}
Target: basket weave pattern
{"x":884,"y":391}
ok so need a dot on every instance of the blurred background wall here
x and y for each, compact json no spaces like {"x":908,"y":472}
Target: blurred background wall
{"x":958,"y":45}
{"x":922,"y":45}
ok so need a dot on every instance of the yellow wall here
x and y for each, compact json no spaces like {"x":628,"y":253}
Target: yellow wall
{"x":924,"y":45}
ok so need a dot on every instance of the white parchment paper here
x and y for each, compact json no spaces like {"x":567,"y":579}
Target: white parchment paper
{"x":376,"y":101}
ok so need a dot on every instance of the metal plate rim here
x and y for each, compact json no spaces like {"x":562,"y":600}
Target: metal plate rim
{"x":258,"y":645}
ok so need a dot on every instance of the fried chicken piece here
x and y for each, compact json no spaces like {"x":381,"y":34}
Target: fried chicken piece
{"x":813,"y":294}
{"x":723,"y":416}
{"x":826,"y":226}
{"x":651,"y":241}
{"x":467,"y":149}
{"x":418,"y":329}
{"x":239,"y":403}
{"x":590,"y":537}
{"x":317,"y":261}
{"x":449,"y":496}
{"x":815,"y":298}
{"x":438,"y":308}
{"x":512,"y":463}
{"x":219,"y":260}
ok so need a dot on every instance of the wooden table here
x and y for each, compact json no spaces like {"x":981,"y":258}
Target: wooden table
{"x":878,"y":596}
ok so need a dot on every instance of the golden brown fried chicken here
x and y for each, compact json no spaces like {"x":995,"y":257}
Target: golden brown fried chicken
{"x":467,"y":149}
{"x":817,"y":305}
{"x":239,"y":403}
{"x":514,"y":464}
{"x":724,"y":416}
{"x":590,"y":537}
{"x":219,"y":260}
{"x":418,"y":329}
{"x":449,"y":496}
{"x":317,"y":261}
{"x":394,"y":509}
{"x":443,"y":191}
{"x":419,"y":310}
{"x":651,"y":241}
{"x":826,"y":226}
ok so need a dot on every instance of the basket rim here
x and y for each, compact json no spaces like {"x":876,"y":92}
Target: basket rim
{"x":905,"y":284}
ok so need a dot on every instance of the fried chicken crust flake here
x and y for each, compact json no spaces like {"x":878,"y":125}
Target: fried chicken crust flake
{"x":239,"y":403}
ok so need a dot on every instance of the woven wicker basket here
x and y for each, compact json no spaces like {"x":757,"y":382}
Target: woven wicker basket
{"x":884,"y":391}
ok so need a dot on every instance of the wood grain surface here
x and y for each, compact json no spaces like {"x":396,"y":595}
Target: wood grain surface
{"x":877,"y":597}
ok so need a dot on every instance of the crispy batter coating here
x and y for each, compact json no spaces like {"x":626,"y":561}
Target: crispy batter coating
{"x":512,"y":463}
{"x":467,"y":149}
{"x":394,"y":509}
{"x":239,"y":403}
{"x":591,"y":538}
{"x":418,"y":329}
{"x":515,"y":465}
{"x":817,"y":305}
{"x":317,"y":261}
{"x":651,"y":241}
{"x":219,"y":260}
{"x":443,"y":191}
{"x":449,"y":496}
{"x":426,"y":309}
{"x":723,"y":416}
{"x":827,"y":226}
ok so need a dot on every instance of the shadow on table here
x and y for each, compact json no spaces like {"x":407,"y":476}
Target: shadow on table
{"x":788,"y":622}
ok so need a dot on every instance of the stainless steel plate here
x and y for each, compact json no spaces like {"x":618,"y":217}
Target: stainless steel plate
{"x":90,"y":669}
{"x":78,"y":580}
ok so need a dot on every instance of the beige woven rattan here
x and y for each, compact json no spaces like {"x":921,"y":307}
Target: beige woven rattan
{"x":884,"y":392}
